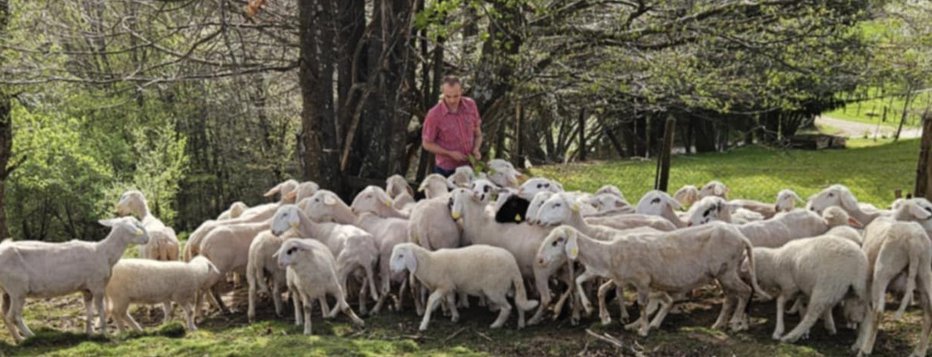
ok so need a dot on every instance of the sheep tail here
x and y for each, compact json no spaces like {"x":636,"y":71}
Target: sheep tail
{"x":521,"y":300}
{"x":910,"y":281}
{"x":750,"y":252}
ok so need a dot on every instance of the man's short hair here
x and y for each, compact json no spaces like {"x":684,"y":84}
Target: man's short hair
{"x":451,"y":80}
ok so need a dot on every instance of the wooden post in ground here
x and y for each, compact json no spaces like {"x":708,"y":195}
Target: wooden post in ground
{"x":582,"y":134}
{"x":923,"y":179}
{"x":666,"y":152}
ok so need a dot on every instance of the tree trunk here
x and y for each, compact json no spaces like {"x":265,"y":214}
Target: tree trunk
{"x":666,"y":152}
{"x":923,"y":179}
{"x":582,"y":134}
{"x":909,"y":99}
{"x":317,"y":149}
{"x":6,"y":129}
{"x":611,"y":137}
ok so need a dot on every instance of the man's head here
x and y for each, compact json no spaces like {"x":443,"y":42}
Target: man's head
{"x":452,"y":90}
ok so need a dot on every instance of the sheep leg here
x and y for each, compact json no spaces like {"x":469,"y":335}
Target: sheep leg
{"x":558,"y":307}
{"x":504,"y":310}
{"x":816,"y":308}
{"x":325,"y":308}
{"x":399,"y":300}
{"x":543,"y":289}
{"x":924,"y":280}
{"x":168,"y":312}
{"x":740,"y":293}
{"x":581,"y":292}
{"x":362,"y":297}
{"x":101,"y":312}
{"x":797,"y":307}
{"x":343,"y":306}
{"x":463,"y":301}
{"x":432,"y":303}
{"x":603,"y":310}
{"x":251,"y":297}
{"x":189,"y":316}
{"x":308,"y":305}
{"x":14,"y":318}
{"x":829,"y":321}
{"x":218,"y":301}
{"x":727,"y":304}
{"x":454,"y":313}
{"x":781,"y":305}
{"x":276,"y":297}
{"x":89,"y":312}
{"x":298,"y":309}
{"x":643,"y":298}
{"x":882,"y":278}
{"x":370,"y":275}
{"x":666,"y":303}
{"x":8,"y":319}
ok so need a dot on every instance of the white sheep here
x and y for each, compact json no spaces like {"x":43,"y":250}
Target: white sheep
{"x":395,"y":185}
{"x":475,"y":270}
{"x":433,"y":185}
{"x":142,"y":281}
{"x":235,"y":211}
{"x":227,"y":247}
{"x":823,"y":269}
{"x":262,"y":268}
{"x":44,"y":270}
{"x":714,"y":188}
{"x":354,"y":248}
{"x":839,"y":195}
{"x":894,"y":248}
{"x":462,"y":176}
{"x":503,"y":173}
{"x":611,"y":190}
{"x":374,"y":199}
{"x":687,"y":195}
{"x":533,"y":186}
{"x":786,"y":201}
{"x":260,"y":213}
{"x":311,"y":272}
{"x":659,"y":203}
{"x":671,"y":262}
{"x":163,"y":244}
{"x":610,"y":204}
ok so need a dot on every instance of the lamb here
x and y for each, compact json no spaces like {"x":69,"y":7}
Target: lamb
{"x":839,"y":195}
{"x":353,"y":247}
{"x":709,"y":209}
{"x":894,"y":248}
{"x":476,"y":270}
{"x":311,"y":272}
{"x":531,"y":187}
{"x":687,"y":195}
{"x":44,"y":270}
{"x":154,"y":282}
{"x":610,"y":204}
{"x":824,"y":269}
{"x":509,"y":208}
{"x":255,"y":214}
{"x":785,"y":227}
{"x":163,"y":244}
{"x":430,"y":225}
{"x":374,"y":199}
{"x":611,"y":190}
{"x":484,"y":189}
{"x":227,"y":247}
{"x":672,"y":262}
{"x":786,"y":201}
{"x":235,"y":211}
{"x":714,"y":188}
{"x":401,"y":192}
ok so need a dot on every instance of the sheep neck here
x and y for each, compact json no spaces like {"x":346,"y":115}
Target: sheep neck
{"x":476,"y":221}
{"x":343,"y":214}
{"x":593,"y":253}
{"x":307,"y":228}
{"x":423,"y":262}
{"x":112,"y":246}
{"x":577,"y":221}
{"x":863,"y":217}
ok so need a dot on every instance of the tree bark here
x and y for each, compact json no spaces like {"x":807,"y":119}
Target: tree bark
{"x":6,"y":129}
{"x":923,"y":179}
{"x":582,"y":134}
{"x":318,"y":149}
{"x":666,"y":152}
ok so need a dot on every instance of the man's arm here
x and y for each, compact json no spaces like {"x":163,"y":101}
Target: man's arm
{"x":477,"y":146}
{"x":437,"y":150}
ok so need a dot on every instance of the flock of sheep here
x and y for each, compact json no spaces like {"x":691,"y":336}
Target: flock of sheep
{"x":488,"y":236}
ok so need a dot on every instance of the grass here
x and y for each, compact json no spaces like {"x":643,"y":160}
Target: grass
{"x":871,"y":111}
{"x":872,"y":169}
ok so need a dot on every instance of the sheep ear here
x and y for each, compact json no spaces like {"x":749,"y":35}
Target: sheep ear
{"x":796,"y":197}
{"x":329,"y":200}
{"x":918,"y":212}
{"x":674,"y":203}
{"x":575,"y":206}
{"x":409,"y":190}
{"x":854,"y":223}
{"x":410,"y":262}
{"x":107,"y":222}
{"x":274,"y":191}
{"x":848,"y":201}
{"x":571,"y":248}
{"x":291,"y":195}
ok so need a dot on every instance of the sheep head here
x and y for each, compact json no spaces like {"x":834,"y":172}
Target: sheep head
{"x":461,"y":198}
{"x":128,"y":227}
{"x":533,"y":186}
{"x":291,"y":251}
{"x":786,"y":200}
{"x":534,"y":207}
{"x":834,"y":195}
{"x":483,"y":188}
{"x":658,"y":203}
{"x":687,"y":195}
{"x":237,"y":208}
{"x":395,"y":185}
{"x":403,"y":258}
{"x":283,"y":189}
{"x":132,"y":203}
{"x":286,"y":218}
{"x":708,"y":209}
{"x":610,"y":190}
{"x":559,"y":244}
{"x":714,"y":188}
{"x":608,"y":202}
{"x":557,"y":210}
{"x":305,"y":189}
{"x":433,"y":185}
{"x":372,"y":199}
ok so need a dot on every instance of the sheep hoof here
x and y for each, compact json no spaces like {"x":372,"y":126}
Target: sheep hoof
{"x":606,"y":321}
{"x":776,"y":336}
{"x":455,"y":318}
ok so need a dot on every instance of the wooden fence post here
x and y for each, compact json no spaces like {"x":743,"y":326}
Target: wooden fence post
{"x":666,"y":152}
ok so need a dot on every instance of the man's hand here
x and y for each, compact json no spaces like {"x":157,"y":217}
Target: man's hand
{"x":476,"y":154}
{"x":456,"y":155}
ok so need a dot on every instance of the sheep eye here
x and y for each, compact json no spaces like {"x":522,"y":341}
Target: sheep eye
{"x":547,"y":185}
{"x":655,"y":201}
{"x":928,"y":209}
{"x":556,"y":242}
{"x":557,"y":204}
{"x":706,"y":214}
{"x":290,"y":251}
{"x":831,"y":195}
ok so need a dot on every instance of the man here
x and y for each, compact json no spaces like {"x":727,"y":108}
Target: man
{"x":452,"y":130}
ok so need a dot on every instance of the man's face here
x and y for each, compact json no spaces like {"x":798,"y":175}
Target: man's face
{"x":452,"y":94}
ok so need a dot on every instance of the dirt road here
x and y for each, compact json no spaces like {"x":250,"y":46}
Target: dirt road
{"x":856,"y":130}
